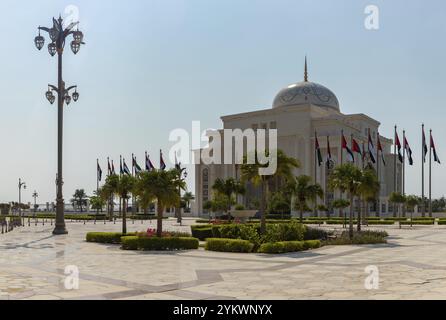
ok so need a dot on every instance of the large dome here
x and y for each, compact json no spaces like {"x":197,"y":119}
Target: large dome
{"x":304,"y":93}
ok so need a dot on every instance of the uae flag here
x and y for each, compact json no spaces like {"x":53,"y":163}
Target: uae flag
{"x":380,"y":149}
{"x":121,"y":169}
{"x":113,"y":168}
{"x":110,"y":172}
{"x":126,"y":169}
{"x":355,"y":147}
{"x":136,"y":166}
{"x":408,"y":151}
{"x":371,"y":149}
{"x":424,"y":147}
{"x":149,"y":165}
{"x":398,"y":145}
{"x":162,"y":163}
{"x":99,"y":172}
{"x":328,"y":150}
{"x":434,"y":151}
{"x":318,"y":152}
{"x":349,"y":152}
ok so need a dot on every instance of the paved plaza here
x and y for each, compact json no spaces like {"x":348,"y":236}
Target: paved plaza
{"x":32,"y":264}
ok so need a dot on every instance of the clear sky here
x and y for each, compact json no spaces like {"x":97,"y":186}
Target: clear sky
{"x":155,"y":65}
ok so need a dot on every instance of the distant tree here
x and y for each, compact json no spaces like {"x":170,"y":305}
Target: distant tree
{"x":79,"y":199}
{"x":187,"y":198}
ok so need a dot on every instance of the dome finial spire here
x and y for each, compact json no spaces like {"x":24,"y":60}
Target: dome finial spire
{"x":306,"y":70}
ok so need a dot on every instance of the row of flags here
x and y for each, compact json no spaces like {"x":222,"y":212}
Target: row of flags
{"x":372,"y":154}
{"x":124,"y":169}
{"x":355,"y":148}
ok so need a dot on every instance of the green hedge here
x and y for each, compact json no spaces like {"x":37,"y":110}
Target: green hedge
{"x":228,"y":245}
{"x":315,"y":234}
{"x":167,"y":243}
{"x":419,"y":222}
{"x":106,"y":237}
{"x":278,"y":216}
{"x":202,"y":231}
{"x":129,"y":242}
{"x":362,"y":237}
{"x":289,"y":246}
{"x":340,"y":221}
{"x":380,"y":222}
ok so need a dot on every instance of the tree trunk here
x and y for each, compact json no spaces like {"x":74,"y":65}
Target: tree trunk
{"x":146,"y":211}
{"x":159,"y":220}
{"x":350,"y":229}
{"x":124,"y":217}
{"x":360,"y":210}
{"x":262,"y":208}
{"x":301,"y":213}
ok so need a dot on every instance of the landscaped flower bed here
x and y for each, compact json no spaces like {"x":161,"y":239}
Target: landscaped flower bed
{"x":289,"y":246}
{"x":107,"y":237}
{"x":229,"y":245}
{"x":156,"y":243}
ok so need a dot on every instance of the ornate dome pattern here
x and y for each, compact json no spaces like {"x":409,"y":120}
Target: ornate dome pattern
{"x":304,"y":93}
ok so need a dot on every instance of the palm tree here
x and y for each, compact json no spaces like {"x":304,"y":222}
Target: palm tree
{"x":126,"y":184}
{"x":187,"y":198}
{"x":304,"y":191}
{"x":108,"y":192}
{"x":162,"y":186}
{"x":250,"y":172}
{"x":228,"y":188}
{"x":96,"y":201}
{"x":79,"y":199}
{"x":347,"y":178}
{"x":368,"y":190}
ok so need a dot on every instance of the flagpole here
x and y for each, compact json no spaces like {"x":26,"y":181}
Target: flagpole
{"x":404,"y":170}
{"x":430,"y":173}
{"x":315,"y":170}
{"x":120,"y":175}
{"x":133,"y":196}
{"x":423,"y":143}
{"x":341,"y":211}
{"x":378,"y":211}
{"x":97,"y":185}
{"x":394,"y":171}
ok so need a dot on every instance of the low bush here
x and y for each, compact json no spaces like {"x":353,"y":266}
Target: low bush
{"x":419,"y":222}
{"x":395,"y":219}
{"x":423,"y":218}
{"x":362,"y":237}
{"x":315,"y":234}
{"x":167,"y":243}
{"x":441,"y":222}
{"x":202,"y":221}
{"x":106,"y":237}
{"x":129,"y":242}
{"x":240,"y":231}
{"x":292,"y":231}
{"x":202,"y":231}
{"x":278,"y":216}
{"x":380,"y":222}
{"x":289,"y":246}
{"x":228,"y":245}
{"x":340,"y":221}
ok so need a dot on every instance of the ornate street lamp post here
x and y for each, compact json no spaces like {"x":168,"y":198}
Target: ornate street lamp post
{"x":21,"y":184}
{"x":58,"y":35}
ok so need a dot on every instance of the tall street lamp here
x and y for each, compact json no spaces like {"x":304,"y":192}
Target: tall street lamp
{"x":35,"y":195}
{"x":181,"y":174}
{"x":21,"y":184}
{"x":58,"y":35}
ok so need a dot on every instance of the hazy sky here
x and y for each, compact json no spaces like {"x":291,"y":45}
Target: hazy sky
{"x":151,"y":66}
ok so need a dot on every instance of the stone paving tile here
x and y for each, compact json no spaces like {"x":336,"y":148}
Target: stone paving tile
{"x":32,"y":262}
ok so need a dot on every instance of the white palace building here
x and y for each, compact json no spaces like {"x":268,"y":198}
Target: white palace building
{"x":298,"y":111}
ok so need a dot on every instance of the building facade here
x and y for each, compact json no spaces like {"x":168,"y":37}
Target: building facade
{"x":299,"y":111}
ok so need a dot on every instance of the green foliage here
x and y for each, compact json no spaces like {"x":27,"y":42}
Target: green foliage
{"x":362,"y":237}
{"x":240,"y":231}
{"x":79,"y":199}
{"x":292,"y":231}
{"x":106,"y":237}
{"x":304,"y":192}
{"x":315,"y":234}
{"x":97,"y":203}
{"x":240,"y":207}
{"x":129,"y":242}
{"x":419,"y":222}
{"x":340,"y":203}
{"x":228,"y":245}
{"x":278,"y":203}
{"x":202,"y":231}
{"x":412,"y":201}
{"x":289,"y":246}
{"x":398,"y":198}
{"x":380,"y":222}
{"x":228,"y":189}
{"x":167,"y":243}
{"x":277,"y":216}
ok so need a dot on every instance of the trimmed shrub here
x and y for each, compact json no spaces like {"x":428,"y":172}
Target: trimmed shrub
{"x":167,"y":243}
{"x":363,"y":237}
{"x":282,"y":247}
{"x":129,"y":242}
{"x":228,"y":245}
{"x":380,"y":222}
{"x":292,"y":231}
{"x":202,"y":231}
{"x":202,"y":221}
{"x":419,"y":222}
{"x":441,"y":222}
{"x":312,"y":244}
{"x":340,"y":221}
{"x":278,"y":216}
{"x":106,"y":237}
{"x":396,"y":219}
{"x":315,"y":234}
{"x":423,"y":218}
{"x":240,"y":231}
